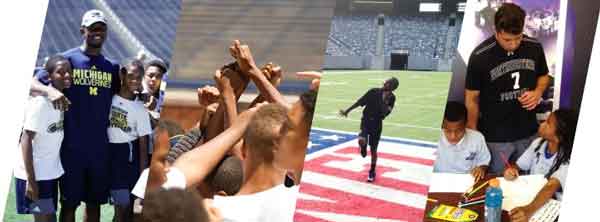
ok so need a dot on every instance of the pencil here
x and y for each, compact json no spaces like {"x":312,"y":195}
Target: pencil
{"x":471,"y":203}
{"x":475,"y":198}
{"x":478,"y":188}
{"x":506,"y":163}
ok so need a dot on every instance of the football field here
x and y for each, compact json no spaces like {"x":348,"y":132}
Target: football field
{"x":417,"y":114}
{"x":10,"y":213}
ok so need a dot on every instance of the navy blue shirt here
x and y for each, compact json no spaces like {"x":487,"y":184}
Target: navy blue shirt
{"x":502,"y":77}
{"x":95,"y":81}
{"x":375,"y":106}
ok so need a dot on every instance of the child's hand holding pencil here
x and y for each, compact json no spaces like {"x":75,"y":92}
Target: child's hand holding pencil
{"x":511,"y":173}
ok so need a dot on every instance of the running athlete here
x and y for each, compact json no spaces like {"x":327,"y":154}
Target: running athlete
{"x":378,"y":103}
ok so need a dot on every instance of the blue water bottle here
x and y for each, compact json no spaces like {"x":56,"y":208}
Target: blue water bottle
{"x":493,"y":202}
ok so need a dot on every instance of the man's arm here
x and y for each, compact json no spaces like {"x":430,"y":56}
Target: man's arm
{"x":200,"y":161}
{"x":523,"y":213}
{"x":472,"y":104}
{"x":59,"y":101}
{"x":359,"y":102}
{"x":530,"y":99}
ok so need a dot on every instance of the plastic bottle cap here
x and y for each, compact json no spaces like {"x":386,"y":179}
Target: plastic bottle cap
{"x":494,"y":183}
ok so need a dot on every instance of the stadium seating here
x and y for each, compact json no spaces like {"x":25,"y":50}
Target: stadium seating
{"x":277,"y":30}
{"x":356,"y":35}
{"x":152,"y":22}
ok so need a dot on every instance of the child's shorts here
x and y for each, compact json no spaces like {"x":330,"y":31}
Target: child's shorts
{"x":47,"y":197}
{"x":125,"y":171}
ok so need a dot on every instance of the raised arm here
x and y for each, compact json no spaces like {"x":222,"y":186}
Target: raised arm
{"x":227,"y":95}
{"x":200,"y":161}
{"x":243,"y":55}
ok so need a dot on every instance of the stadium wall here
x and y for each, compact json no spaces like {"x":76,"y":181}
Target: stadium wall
{"x":415,"y":62}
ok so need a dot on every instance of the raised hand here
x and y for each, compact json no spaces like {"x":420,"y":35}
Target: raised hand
{"x":208,"y":95}
{"x":243,"y":56}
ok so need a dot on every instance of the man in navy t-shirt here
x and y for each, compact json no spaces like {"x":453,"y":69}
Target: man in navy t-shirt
{"x":378,"y":103}
{"x":84,"y":152}
{"x":506,"y":77}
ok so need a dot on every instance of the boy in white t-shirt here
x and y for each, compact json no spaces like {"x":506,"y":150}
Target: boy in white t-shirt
{"x":39,"y":166}
{"x":127,"y":134}
{"x":461,"y":150}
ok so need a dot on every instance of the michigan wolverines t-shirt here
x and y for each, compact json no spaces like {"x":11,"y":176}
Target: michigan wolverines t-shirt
{"x":95,"y":81}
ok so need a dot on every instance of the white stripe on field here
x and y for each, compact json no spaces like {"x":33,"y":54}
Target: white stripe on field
{"x":406,"y":171}
{"x":342,"y":217}
{"x":365,"y":189}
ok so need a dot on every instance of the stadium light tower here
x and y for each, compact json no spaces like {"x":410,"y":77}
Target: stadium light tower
{"x":379,"y":59}
{"x":380,"y":33}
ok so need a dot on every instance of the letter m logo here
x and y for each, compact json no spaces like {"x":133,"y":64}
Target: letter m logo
{"x":93,"y":91}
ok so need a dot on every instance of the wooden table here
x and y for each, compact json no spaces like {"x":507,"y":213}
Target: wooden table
{"x":452,"y":199}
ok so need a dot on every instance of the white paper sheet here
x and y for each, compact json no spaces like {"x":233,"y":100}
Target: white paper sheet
{"x":450,"y":182}
{"x":521,"y":191}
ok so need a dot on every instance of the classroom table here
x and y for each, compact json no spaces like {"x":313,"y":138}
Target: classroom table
{"x":452,"y":199}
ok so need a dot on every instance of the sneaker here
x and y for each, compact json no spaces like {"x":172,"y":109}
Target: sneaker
{"x":371,"y":177}
{"x":363,"y":151}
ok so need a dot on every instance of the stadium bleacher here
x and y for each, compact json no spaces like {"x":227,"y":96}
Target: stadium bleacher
{"x":151,"y":22}
{"x":356,"y":35}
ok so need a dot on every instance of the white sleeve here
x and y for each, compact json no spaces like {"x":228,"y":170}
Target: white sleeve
{"x":35,"y":117}
{"x":175,"y":179}
{"x":483,"y":153}
{"x":561,"y":174}
{"x":143,"y":125}
{"x":527,"y":158}
{"x":139,"y":190}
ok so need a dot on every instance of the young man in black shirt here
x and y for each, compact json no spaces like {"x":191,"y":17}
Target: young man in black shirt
{"x":378,"y":103}
{"x":506,"y":77}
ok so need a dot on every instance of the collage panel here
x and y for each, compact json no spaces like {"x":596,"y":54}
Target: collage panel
{"x":512,"y":112}
{"x":95,"y":94}
{"x":301,"y":110}
{"x":384,"y":86}
{"x":221,"y":151}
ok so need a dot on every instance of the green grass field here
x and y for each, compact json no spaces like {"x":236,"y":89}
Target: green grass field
{"x":10,"y":213}
{"x":417,"y":114}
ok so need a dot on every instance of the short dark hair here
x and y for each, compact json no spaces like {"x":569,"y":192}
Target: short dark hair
{"x":260,"y":137}
{"x":174,"y":205}
{"x":455,"y":112}
{"x":159,"y":64}
{"x":393,"y":83}
{"x":134,"y":63}
{"x":227,"y":176}
{"x":50,"y":64}
{"x":509,"y":18}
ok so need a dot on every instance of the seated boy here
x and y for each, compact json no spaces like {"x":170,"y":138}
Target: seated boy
{"x":461,"y":150}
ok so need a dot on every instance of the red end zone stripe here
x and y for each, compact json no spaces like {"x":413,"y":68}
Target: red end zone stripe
{"x":317,"y":165}
{"x":300,"y":217}
{"x":355,"y":205}
{"x":380,"y":154}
